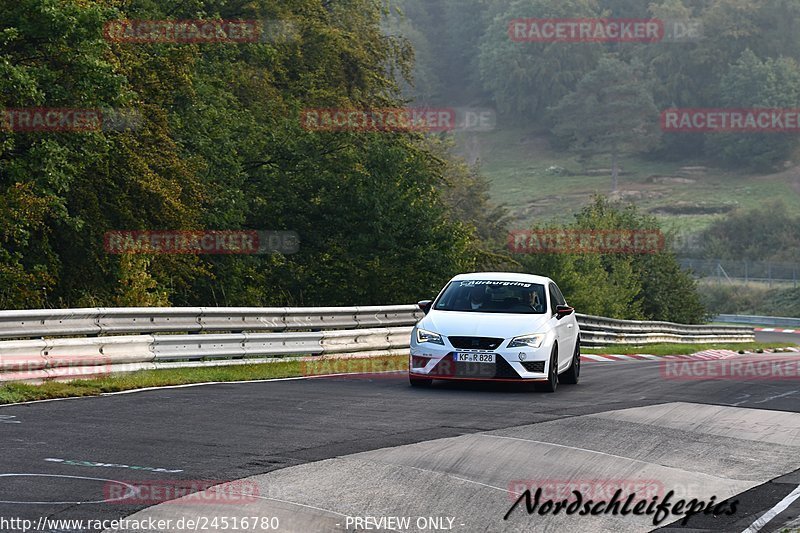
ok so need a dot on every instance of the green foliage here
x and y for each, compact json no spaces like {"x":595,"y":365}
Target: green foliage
{"x":524,"y":79}
{"x":628,"y":286}
{"x":136,"y":287}
{"x":459,"y":42}
{"x":219,"y":146}
{"x":751,"y":300}
{"x":771,"y":233}
{"x":623,"y":116}
{"x":751,"y":82}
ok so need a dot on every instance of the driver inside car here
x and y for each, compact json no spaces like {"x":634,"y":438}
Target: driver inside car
{"x":477,"y":297}
{"x":534,"y":301}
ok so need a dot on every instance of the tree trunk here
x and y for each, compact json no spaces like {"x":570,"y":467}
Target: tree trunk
{"x":614,"y":170}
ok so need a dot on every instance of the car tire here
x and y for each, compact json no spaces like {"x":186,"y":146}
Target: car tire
{"x":572,"y":376}
{"x":552,"y":372}
{"x":419,"y":382}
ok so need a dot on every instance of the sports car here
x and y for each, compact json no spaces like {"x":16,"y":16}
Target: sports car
{"x":494,"y":326}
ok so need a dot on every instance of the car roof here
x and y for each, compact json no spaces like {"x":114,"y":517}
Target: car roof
{"x":502,"y":276}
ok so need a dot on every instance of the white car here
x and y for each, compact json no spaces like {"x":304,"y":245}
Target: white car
{"x":499,"y":327}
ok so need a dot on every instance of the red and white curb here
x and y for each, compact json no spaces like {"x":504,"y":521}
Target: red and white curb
{"x":778,"y":330}
{"x":616,"y":357}
{"x":705,"y":355}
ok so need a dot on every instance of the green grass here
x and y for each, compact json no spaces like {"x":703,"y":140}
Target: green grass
{"x":23,"y":392}
{"x":516,"y":164}
{"x":681,"y":349}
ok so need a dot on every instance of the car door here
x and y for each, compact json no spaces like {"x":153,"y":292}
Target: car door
{"x":565,"y":328}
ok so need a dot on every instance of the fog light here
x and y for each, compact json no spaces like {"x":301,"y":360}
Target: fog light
{"x":522,"y":356}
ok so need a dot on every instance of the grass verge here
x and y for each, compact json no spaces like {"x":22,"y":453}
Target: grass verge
{"x":682,"y":349}
{"x":24,"y":392}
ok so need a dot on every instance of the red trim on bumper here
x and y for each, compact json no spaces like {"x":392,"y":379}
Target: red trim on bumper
{"x":496,"y":380}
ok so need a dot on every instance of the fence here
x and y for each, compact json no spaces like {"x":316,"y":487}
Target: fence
{"x":75,"y":343}
{"x":728,"y":271}
{"x":785,"y":322}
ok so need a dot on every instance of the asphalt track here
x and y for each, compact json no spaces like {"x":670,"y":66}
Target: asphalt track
{"x":317,"y":451}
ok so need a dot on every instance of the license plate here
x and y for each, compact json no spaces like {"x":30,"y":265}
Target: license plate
{"x":474,"y":358}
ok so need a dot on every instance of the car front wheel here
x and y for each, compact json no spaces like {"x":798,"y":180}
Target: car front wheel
{"x":572,"y":375}
{"x":552,"y":374}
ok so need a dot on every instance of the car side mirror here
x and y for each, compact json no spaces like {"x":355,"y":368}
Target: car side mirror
{"x":563,"y":310}
{"x":425,"y":305}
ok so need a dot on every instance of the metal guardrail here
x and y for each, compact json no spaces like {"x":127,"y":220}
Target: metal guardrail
{"x":105,"y":321}
{"x":601,"y":331}
{"x":192,"y":336}
{"x":779,"y":321}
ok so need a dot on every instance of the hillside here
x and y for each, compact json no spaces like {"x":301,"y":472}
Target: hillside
{"x":686,"y":195}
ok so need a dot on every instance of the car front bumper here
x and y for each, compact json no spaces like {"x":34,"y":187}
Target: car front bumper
{"x":511,"y":364}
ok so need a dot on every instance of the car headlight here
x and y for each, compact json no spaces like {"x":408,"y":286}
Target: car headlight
{"x":527,"y":341}
{"x":428,"y":336}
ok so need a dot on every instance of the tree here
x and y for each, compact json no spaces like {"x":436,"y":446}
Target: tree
{"x":220,"y":146}
{"x":767,"y":233}
{"x":524,"y":79}
{"x":751,"y":83}
{"x":610,"y":112}
{"x":643,"y":286}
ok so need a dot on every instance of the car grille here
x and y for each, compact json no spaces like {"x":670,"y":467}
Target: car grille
{"x":534,"y":366}
{"x":475,"y":343}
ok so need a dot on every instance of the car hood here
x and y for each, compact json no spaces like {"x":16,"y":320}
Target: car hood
{"x":483,"y":324}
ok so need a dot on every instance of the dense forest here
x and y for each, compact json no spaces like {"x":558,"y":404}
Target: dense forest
{"x":739,"y":54}
{"x":217,"y":143}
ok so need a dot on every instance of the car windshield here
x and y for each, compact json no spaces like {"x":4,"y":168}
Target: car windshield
{"x":485,"y":296}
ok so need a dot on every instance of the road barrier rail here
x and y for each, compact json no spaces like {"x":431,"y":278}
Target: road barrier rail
{"x":79,"y":343}
{"x":777,"y":321}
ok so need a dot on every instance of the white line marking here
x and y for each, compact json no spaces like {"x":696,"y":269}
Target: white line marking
{"x":129,"y":493}
{"x":188,"y":385}
{"x":165,"y":387}
{"x":455,"y":477}
{"x":600,"y":453}
{"x":768,"y":398}
{"x":6,"y":419}
{"x":94,"y":464}
{"x":775,"y":511}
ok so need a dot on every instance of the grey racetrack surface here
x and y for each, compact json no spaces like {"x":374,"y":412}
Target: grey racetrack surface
{"x":322,"y":449}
